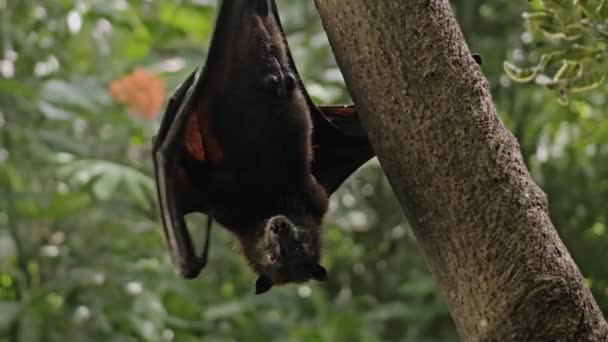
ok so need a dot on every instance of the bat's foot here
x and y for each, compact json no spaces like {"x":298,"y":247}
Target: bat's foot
{"x":189,"y":272}
{"x":290,"y":81}
{"x":281,"y":84}
{"x":188,"y":264}
{"x":263,"y":7}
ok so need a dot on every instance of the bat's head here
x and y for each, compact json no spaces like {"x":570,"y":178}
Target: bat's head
{"x":286,"y":251}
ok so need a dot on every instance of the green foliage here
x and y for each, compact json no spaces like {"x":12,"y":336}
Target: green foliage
{"x":570,"y":39}
{"x":81,"y":250}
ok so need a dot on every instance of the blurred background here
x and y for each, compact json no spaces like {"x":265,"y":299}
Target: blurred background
{"x":82,"y":87}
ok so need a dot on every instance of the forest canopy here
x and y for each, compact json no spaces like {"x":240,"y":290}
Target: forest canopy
{"x":82,"y":89}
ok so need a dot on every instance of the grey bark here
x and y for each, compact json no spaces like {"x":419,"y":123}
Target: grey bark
{"x":482,"y":222}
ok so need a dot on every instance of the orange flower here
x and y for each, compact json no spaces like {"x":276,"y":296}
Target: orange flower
{"x":141,"y":91}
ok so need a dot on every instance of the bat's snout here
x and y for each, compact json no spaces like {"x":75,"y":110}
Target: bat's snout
{"x":279,"y":224}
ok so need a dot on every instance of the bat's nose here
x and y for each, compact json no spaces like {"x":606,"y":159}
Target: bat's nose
{"x":263,"y":7}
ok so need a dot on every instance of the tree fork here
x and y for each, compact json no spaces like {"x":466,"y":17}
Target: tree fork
{"x":482,"y":222}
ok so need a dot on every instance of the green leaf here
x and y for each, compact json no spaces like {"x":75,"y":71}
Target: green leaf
{"x":7,"y":246}
{"x":62,"y":92}
{"x":15,"y":88}
{"x":518,"y":74}
{"x":578,"y":53}
{"x":66,"y":205}
{"x":53,"y":112}
{"x":223,"y":311}
{"x":13,"y":178}
{"x":105,"y":178}
{"x":59,"y":142}
{"x":196,"y":21}
{"x":587,"y":80}
{"x":8,"y":313}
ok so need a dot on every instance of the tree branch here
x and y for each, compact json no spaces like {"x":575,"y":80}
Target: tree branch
{"x":482,"y":222}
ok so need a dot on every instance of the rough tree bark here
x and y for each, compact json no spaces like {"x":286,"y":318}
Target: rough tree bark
{"x":482,"y":222}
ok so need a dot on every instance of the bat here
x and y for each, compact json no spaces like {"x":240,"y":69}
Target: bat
{"x":242,"y":142}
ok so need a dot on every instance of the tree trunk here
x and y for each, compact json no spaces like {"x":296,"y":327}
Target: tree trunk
{"x":482,"y":222}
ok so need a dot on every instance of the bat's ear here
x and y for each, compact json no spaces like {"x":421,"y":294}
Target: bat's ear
{"x":319,"y":273}
{"x":263,"y":284}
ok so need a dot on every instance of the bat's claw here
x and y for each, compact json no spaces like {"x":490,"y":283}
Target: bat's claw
{"x":280,"y":84}
{"x":290,"y":81}
{"x":191,"y":270}
{"x":264,"y":7}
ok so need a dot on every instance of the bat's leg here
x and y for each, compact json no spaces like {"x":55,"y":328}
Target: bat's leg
{"x":177,"y":199}
{"x":179,"y":242}
{"x":205,"y":254}
{"x":183,"y":252}
{"x":190,"y":265}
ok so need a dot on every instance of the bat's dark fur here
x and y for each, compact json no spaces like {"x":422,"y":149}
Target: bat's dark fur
{"x":237,"y":143}
{"x":263,"y":189}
